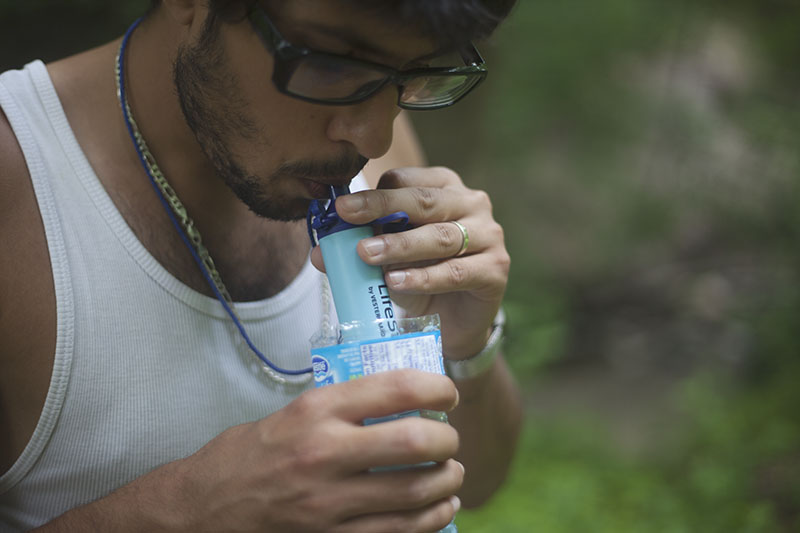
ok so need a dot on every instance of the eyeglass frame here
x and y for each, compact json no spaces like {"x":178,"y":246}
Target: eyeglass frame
{"x":286,"y":55}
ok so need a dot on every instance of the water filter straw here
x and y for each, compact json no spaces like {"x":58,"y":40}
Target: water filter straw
{"x":360,"y":293}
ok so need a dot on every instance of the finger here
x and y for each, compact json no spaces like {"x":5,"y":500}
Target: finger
{"x":482,"y":274}
{"x":428,"y":242}
{"x":405,"y":441}
{"x":383,"y":394}
{"x":429,"y":519}
{"x":422,"y":204}
{"x":398,"y":178}
{"x":398,"y":490}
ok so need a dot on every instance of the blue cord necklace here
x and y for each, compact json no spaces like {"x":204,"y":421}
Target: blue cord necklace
{"x":189,"y":233}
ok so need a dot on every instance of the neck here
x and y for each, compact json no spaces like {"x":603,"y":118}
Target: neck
{"x":155,"y":105}
{"x":256,"y":257}
{"x":238,"y":238}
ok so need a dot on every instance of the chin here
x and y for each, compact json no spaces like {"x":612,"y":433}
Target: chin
{"x":270,"y":204}
{"x":282,"y":211}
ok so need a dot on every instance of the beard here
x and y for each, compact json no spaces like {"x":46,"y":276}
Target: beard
{"x":215,"y":111}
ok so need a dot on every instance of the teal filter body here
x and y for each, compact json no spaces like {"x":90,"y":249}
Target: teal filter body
{"x":359,"y":291}
{"x":360,"y":294}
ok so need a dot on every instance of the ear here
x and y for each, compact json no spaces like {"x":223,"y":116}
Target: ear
{"x":181,"y":11}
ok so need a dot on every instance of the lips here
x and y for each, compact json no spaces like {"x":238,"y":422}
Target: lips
{"x":320,"y":190}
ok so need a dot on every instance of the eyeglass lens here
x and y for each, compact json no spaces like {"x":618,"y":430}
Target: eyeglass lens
{"x":326,"y":78}
{"x":435,"y":90}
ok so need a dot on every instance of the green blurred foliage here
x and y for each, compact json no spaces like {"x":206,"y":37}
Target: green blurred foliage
{"x":642,"y":157}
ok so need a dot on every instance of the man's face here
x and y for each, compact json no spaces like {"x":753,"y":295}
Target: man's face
{"x":274,"y":151}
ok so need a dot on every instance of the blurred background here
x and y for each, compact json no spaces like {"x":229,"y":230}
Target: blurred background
{"x":644,"y":158}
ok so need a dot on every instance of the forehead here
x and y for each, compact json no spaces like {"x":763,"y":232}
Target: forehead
{"x":367,"y":30}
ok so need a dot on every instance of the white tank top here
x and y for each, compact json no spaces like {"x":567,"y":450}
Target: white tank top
{"x":146,"y":369}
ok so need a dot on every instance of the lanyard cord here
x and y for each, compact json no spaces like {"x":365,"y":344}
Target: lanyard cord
{"x":138,"y":141}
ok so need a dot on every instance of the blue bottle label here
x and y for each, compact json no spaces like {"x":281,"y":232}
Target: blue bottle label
{"x":352,"y":360}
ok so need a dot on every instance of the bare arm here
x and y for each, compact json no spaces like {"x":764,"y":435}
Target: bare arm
{"x":27,"y":303}
{"x":488,"y":420}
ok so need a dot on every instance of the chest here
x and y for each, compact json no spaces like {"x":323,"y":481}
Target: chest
{"x":254,"y":261}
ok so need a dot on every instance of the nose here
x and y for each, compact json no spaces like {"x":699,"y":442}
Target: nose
{"x":366,"y":125}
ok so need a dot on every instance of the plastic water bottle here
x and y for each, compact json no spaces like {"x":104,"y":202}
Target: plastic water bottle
{"x":360,"y":294}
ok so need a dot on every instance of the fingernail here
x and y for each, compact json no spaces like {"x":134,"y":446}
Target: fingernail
{"x":373,"y":247}
{"x":463,"y":470}
{"x":396,"y":277}
{"x":350,"y":202}
{"x":455,"y":502}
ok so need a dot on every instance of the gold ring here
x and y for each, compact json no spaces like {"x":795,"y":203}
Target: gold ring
{"x":464,"y":238}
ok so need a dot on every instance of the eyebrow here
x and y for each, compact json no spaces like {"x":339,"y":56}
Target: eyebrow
{"x":357,"y":42}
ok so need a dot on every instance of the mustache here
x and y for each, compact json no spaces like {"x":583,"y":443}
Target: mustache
{"x":333,"y":170}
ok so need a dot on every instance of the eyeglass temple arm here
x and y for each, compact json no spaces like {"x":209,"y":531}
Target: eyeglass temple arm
{"x":275,"y":40}
{"x":471,"y":56}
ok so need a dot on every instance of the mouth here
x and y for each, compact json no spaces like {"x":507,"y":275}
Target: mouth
{"x":320,"y":190}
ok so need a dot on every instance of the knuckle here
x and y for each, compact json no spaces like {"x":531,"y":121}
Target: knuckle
{"x":319,"y":449}
{"x":399,"y":241}
{"x":497,"y":232}
{"x":482,"y":199}
{"x":380,"y":203}
{"x":504,"y":261}
{"x":455,"y":441}
{"x":504,"y":265}
{"x":418,"y":492}
{"x":423,"y":279}
{"x":445,"y":236}
{"x":457,"y":476}
{"x":456,"y":272}
{"x":414,"y":441}
{"x":313,"y":513}
{"x":384,"y":203}
{"x":310,"y":454}
{"x":376,"y":202}
{"x":308,"y":405}
{"x":406,"y":386}
{"x":426,"y":200}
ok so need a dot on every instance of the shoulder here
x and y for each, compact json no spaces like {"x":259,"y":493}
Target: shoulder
{"x":14,"y":181}
{"x":17,"y":198}
{"x":27,"y":305}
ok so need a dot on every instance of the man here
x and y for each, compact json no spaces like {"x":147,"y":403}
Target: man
{"x":130,"y":401}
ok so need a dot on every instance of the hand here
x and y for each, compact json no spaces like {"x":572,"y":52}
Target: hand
{"x":422,"y":272}
{"x":304,"y":468}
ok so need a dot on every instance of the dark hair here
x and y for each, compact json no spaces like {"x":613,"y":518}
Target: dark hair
{"x":449,"y":22}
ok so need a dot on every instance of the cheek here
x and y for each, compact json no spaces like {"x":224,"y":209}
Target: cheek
{"x":292,"y":127}
{"x":288,"y":125}
{"x":251,"y":64}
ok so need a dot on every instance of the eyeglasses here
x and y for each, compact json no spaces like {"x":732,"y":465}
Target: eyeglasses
{"x":332,"y":79}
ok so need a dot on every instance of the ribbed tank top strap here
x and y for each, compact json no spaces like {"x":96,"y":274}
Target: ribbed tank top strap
{"x":28,"y":100}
